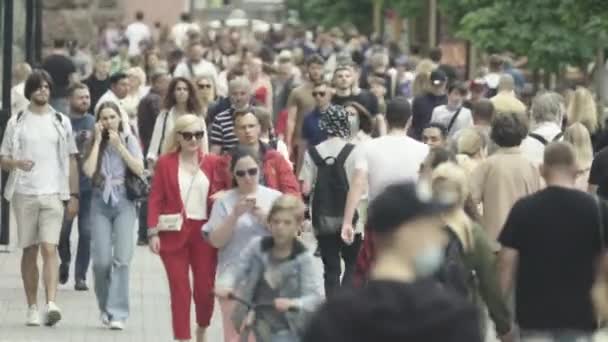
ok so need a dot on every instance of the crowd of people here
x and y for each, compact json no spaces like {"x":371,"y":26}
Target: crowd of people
{"x":444,"y":209}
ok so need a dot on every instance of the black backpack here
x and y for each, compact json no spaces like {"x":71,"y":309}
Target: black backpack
{"x":454,"y":272}
{"x":330,"y":191}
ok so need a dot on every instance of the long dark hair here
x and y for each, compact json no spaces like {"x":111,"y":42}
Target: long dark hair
{"x":103,"y":144}
{"x":192,"y":104}
{"x":240,"y":152}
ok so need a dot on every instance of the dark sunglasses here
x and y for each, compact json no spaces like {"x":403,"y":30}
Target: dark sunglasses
{"x":204,"y":86}
{"x":189,"y":135}
{"x":318,"y":93}
{"x":251,"y":172}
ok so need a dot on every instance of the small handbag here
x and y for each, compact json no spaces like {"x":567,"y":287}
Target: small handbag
{"x":138,"y":188}
{"x":174,"y":222}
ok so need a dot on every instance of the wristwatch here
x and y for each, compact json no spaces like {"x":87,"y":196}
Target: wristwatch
{"x":76,"y":196}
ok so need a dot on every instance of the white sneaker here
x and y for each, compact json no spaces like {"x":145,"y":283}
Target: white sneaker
{"x":53,"y":314}
{"x":33,"y":316}
{"x":105,"y":320}
{"x":117,"y":325}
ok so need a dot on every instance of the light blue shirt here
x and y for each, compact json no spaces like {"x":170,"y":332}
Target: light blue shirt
{"x":247,"y":227}
{"x":113,"y":169}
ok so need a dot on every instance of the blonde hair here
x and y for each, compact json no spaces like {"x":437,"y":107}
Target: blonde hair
{"x":422,"y":81}
{"x":583,"y":108}
{"x":450,"y":177}
{"x":578,"y":135}
{"x":139,"y":73}
{"x":289,"y":203}
{"x":470,"y":142}
{"x":182,"y":122}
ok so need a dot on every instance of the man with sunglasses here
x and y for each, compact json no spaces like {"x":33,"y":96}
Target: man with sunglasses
{"x":312,"y":134}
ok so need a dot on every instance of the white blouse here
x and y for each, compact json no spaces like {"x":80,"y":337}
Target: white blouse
{"x":194,"y":190}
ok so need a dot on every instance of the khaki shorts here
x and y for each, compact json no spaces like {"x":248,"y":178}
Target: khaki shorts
{"x":39,"y":218}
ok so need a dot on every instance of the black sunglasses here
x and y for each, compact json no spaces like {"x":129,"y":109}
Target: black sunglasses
{"x":318,"y":93}
{"x":251,"y":172}
{"x":203,"y":86}
{"x":189,"y":135}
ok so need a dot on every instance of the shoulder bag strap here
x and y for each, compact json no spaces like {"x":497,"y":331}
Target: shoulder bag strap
{"x":539,"y":137}
{"x":453,"y":120}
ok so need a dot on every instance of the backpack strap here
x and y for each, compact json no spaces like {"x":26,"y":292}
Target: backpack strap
{"x":19,"y":115}
{"x":343,"y":155}
{"x":453,"y":120}
{"x":316,"y":157}
{"x":539,"y":138}
{"x":558,"y":136}
{"x":58,"y":117}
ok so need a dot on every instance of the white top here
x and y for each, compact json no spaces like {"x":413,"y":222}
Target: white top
{"x":179,"y":33}
{"x":443,"y":115}
{"x":157,"y":134}
{"x":109,"y":96}
{"x":533,"y":149}
{"x":136,"y":33}
{"x":203,"y":67}
{"x":37,"y":145}
{"x":18,"y":100}
{"x":193,"y":190}
{"x":390,"y":159}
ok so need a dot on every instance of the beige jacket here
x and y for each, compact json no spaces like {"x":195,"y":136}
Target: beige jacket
{"x":498,"y":182}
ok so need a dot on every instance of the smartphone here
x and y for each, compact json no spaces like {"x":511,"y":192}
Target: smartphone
{"x":105,"y":134}
{"x":251,"y":200}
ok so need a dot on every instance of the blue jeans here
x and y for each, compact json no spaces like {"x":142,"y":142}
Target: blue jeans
{"x":112,"y":245}
{"x":83,"y":253}
{"x":555,"y":336}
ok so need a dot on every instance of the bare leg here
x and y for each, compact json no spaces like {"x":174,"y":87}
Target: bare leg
{"x":50,"y":269}
{"x":200,"y":334}
{"x":29,"y":273}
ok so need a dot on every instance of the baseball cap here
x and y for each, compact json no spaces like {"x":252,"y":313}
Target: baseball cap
{"x":403,"y":202}
{"x":438,"y":77}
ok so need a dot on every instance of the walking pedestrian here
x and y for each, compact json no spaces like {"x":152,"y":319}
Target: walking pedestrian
{"x":184,"y":182}
{"x":236,"y":218}
{"x":548,"y":112}
{"x":39,"y":150}
{"x":83,"y":125}
{"x":551,"y":265}
{"x":63,"y":72}
{"x":115,"y":154}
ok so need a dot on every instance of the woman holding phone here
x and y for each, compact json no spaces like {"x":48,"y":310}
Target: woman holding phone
{"x":236,"y":218}
{"x":179,"y":202}
{"x":112,"y":214}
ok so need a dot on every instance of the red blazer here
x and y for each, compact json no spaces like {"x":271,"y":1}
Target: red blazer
{"x":165,"y":195}
{"x":278,"y":174}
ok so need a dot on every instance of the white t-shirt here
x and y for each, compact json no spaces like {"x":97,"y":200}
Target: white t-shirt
{"x":193,"y":190}
{"x":390,"y":159}
{"x":38,"y":142}
{"x":136,"y":33}
{"x":533,"y":149}
{"x":198,"y":69}
{"x":179,"y":33}
{"x":443,"y":115}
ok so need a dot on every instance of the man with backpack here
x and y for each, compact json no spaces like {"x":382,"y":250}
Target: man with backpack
{"x":548,"y":112}
{"x":325,"y":174}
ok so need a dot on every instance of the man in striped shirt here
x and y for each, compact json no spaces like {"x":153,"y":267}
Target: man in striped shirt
{"x":222,"y":137}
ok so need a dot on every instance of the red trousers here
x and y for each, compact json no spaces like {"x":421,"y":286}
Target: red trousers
{"x":200,"y":257}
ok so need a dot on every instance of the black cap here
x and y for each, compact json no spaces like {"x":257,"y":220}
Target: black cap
{"x":438,"y":77}
{"x":403,"y":202}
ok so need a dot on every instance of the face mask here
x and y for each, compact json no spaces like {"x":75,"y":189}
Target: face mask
{"x":353,"y":121}
{"x":428,"y":261}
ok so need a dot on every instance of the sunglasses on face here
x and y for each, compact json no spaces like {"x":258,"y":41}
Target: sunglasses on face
{"x":204,"y":86}
{"x":189,"y":135}
{"x":318,"y":93}
{"x":251,"y":172}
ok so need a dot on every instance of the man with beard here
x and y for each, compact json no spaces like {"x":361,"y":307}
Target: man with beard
{"x":39,"y":150}
{"x":83,"y":125}
{"x":300,"y":103}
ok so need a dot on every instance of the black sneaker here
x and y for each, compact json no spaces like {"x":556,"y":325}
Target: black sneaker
{"x":64,"y":273}
{"x":81,"y":285}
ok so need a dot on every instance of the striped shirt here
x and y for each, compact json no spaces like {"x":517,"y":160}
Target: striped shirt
{"x":222,"y":131}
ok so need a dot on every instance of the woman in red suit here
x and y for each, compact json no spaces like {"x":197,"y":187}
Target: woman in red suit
{"x":184,"y":181}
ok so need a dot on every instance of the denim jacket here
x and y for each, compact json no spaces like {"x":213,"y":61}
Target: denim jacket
{"x":64,"y":148}
{"x":299,"y":282}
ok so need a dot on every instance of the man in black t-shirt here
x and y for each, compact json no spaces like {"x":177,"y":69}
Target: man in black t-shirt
{"x":63,"y":72}
{"x":551,"y":241}
{"x":347,"y":90}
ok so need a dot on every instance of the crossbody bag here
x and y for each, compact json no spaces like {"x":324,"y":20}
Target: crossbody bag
{"x":174,"y":222}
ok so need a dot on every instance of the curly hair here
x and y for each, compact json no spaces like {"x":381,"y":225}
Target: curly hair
{"x":509,"y":129}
